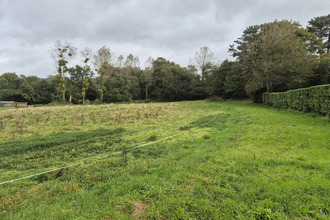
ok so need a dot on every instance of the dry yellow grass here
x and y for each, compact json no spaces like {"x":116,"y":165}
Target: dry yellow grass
{"x":17,"y":123}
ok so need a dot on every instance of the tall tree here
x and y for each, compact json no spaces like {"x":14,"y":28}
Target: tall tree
{"x":131,"y":65}
{"x":120,"y":61}
{"x":146,"y":76}
{"x":274,"y":58}
{"x":243,"y":44}
{"x":320,"y":26}
{"x":284,"y":57}
{"x":192,"y":68}
{"x":171,"y":82}
{"x":11,"y":87}
{"x":227,"y":81}
{"x":102,"y":63}
{"x":31,"y":89}
{"x":235,"y":82}
{"x":75,"y":83}
{"x":204,"y":60}
{"x":136,"y":62}
{"x":45,"y":92}
{"x":129,"y":62}
{"x":62,"y":53}
{"x":87,"y":55}
{"x":122,"y":87}
{"x":321,"y":71}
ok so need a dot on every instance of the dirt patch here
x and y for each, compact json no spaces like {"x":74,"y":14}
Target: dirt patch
{"x":36,"y":189}
{"x":191,"y":181}
{"x":234,"y":138}
{"x":139,"y":211}
{"x":215,"y":99}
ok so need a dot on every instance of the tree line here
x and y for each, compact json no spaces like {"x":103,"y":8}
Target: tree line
{"x":275,"y":56}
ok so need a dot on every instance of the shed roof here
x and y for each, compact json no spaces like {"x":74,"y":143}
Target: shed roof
{"x":3,"y":102}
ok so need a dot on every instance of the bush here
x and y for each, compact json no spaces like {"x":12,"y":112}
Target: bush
{"x":87,"y":102}
{"x":57,"y":103}
{"x":97,"y":102}
{"x":313,"y":99}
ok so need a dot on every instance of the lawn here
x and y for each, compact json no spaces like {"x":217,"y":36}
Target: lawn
{"x":250,"y":162}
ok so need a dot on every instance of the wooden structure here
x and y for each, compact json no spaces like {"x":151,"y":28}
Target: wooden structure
{"x":12,"y":104}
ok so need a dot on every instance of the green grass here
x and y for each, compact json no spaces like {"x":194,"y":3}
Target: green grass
{"x":252,"y":162}
{"x":6,"y":108}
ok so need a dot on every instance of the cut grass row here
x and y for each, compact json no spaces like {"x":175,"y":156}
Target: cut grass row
{"x":252,"y":162}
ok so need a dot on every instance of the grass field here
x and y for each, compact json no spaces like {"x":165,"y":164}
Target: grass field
{"x":251,"y":162}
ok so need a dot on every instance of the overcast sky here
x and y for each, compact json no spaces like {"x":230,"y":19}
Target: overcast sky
{"x":173,"y":29}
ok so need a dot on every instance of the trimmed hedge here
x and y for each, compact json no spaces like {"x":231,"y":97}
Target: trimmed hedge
{"x":313,"y":99}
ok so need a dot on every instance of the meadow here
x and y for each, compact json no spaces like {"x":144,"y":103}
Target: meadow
{"x":248,"y":161}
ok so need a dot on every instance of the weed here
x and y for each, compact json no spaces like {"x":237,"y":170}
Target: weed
{"x":184,"y":128}
{"x":206,"y":136}
{"x":152,"y":138}
{"x":2,"y":125}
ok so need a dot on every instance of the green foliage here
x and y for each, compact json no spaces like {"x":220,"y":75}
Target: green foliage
{"x":102,"y":64}
{"x":122,"y":88}
{"x":62,"y":53}
{"x":87,"y":102}
{"x":320,"y":26}
{"x":85,"y":85}
{"x":79,"y":82}
{"x":243,"y":44}
{"x":274,"y":57}
{"x":61,"y":87}
{"x":170,"y":82}
{"x":97,"y":102}
{"x":11,"y":89}
{"x":314,"y":99}
{"x":227,"y":81}
{"x":30,"y":89}
{"x":321,"y":71}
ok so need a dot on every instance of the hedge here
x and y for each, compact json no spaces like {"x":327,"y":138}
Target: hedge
{"x":313,"y":99}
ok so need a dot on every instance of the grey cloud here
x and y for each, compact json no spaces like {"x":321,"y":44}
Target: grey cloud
{"x":229,"y":10}
{"x":174,"y":29}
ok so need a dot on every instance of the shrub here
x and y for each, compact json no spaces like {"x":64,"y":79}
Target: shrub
{"x":97,"y":102}
{"x":313,"y":99}
{"x":87,"y":102}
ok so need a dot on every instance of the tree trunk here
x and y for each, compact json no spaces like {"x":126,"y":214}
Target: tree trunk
{"x":64,"y":88}
{"x":203,"y":74}
{"x":269,"y":86}
{"x":147,"y":92}
{"x":63,"y":95}
{"x":328,"y":43}
{"x":268,"y":89}
{"x":101,"y":97}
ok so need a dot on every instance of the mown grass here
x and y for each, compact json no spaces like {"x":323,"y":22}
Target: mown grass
{"x":252,"y":162}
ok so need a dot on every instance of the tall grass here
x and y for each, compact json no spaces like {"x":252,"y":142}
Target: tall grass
{"x":252,"y":162}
